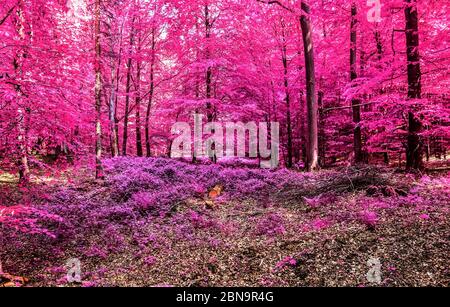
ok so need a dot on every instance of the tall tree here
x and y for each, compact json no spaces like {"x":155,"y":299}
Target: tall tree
{"x":208,"y":78}
{"x":312,"y":148}
{"x":151,"y":92}
{"x":23,"y":110}
{"x":128,"y":89}
{"x":311,"y":98}
{"x":284,"y":58}
{"x":356,"y":108}
{"x":137,"y":82}
{"x":98,"y":94}
{"x":115,"y":61}
{"x":414,"y":149}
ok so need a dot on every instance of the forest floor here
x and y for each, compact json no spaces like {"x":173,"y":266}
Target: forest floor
{"x":159,"y":222}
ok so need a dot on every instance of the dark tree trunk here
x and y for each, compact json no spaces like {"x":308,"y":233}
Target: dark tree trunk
{"x":379,"y":44}
{"x":379,"y":56}
{"x":116,"y":118}
{"x":113,"y":99}
{"x":356,"y":103}
{"x":311,"y":100}
{"x":150,"y":97}
{"x":386,"y":158}
{"x":139,"y":149}
{"x":127,"y":109}
{"x":289,"y":159}
{"x":210,"y":110}
{"x":98,"y":95}
{"x":24,"y":113}
{"x":414,"y":150}
{"x":322,"y":140}
{"x":127,"y":96}
{"x":24,"y":128}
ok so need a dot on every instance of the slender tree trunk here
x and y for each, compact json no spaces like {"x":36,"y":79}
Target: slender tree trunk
{"x":23,"y":112}
{"x":379,"y":44}
{"x":127,"y":109}
{"x":386,"y":158}
{"x":379,"y":57}
{"x":112,"y":105}
{"x":302,"y":107}
{"x":321,"y":121}
{"x":289,"y":161}
{"x":356,"y":108}
{"x":150,"y":97}
{"x":115,"y":82}
{"x":197,"y":87}
{"x":322,"y":140}
{"x":139,"y":150}
{"x":127,"y":95}
{"x":210,"y":112}
{"x":209,"y":107}
{"x":311,"y":100}
{"x":116,"y":128}
{"x":98,"y":89}
{"x":208,"y":79}
{"x":414,"y":150}
{"x":23,"y":125}
{"x":116,"y":118}
{"x":303,"y":131}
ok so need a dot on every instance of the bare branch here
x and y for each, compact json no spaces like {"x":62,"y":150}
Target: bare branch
{"x":348,"y":107}
{"x":277,"y":3}
{"x":7,"y":15}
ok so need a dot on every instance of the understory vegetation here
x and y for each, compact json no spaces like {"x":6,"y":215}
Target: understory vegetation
{"x":160,"y":222}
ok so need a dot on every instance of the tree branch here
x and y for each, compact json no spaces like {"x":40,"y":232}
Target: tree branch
{"x":277,"y":3}
{"x":348,"y":107}
{"x":7,"y":15}
{"x":304,"y":6}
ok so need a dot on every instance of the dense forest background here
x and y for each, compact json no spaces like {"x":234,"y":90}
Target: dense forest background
{"x":377,"y":88}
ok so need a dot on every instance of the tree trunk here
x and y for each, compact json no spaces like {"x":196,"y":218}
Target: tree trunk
{"x":209,"y":108}
{"x":139,"y":150}
{"x":116,"y":123}
{"x":150,"y":97}
{"x":311,"y":100}
{"x":414,"y":150}
{"x":379,"y":56}
{"x":112,"y":104}
{"x":322,"y":139}
{"x":304,"y":137}
{"x":289,"y":161}
{"x":23,"y":111}
{"x":23,"y":124}
{"x":356,"y":108}
{"x":98,"y":102}
{"x":116,"y":119}
{"x":127,"y":95}
{"x":210,"y":112}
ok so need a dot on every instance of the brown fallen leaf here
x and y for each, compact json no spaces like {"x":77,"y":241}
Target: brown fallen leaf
{"x":216,"y":191}
{"x":8,"y":280}
{"x":8,"y":284}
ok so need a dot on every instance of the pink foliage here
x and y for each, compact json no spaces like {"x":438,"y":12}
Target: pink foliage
{"x":288,"y":261}
{"x":26,"y":219}
{"x":270,"y":225}
{"x":369,"y":218}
